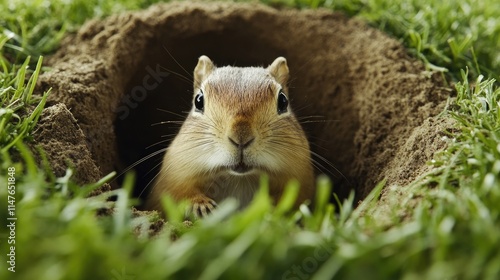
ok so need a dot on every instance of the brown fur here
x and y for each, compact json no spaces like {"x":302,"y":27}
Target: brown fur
{"x":240,"y":124}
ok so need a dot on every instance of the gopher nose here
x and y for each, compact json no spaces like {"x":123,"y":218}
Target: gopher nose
{"x":241,"y":144}
{"x":241,"y":135}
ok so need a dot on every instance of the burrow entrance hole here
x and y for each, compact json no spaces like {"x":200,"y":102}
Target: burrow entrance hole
{"x":360,"y":95}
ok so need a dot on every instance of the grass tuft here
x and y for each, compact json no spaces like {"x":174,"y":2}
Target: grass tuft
{"x":17,"y":115}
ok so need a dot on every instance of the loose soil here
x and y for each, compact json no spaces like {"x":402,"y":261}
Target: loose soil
{"x":369,"y":110}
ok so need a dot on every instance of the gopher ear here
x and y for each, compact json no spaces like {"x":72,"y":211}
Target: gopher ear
{"x":204,"y":67}
{"x":279,"y":70}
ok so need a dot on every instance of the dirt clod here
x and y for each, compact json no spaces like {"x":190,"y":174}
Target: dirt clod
{"x":62,"y":142}
{"x":377,"y":107}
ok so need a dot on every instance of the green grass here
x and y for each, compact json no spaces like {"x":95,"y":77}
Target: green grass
{"x":447,"y":35}
{"x":20,"y":109}
{"x":36,"y":27}
{"x":451,"y":233}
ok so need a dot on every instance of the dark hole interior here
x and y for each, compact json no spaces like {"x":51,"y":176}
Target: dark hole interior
{"x":140,"y":133}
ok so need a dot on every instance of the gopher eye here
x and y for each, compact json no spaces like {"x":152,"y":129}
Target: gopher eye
{"x":282,"y":103}
{"x":198,"y":102}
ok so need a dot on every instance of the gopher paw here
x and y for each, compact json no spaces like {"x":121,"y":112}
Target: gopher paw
{"x":203,"y":206}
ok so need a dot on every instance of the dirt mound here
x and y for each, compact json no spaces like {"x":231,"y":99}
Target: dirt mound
{"x":367,"y":107}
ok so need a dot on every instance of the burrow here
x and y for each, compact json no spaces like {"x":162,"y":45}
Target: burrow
{"x":369,"y":109}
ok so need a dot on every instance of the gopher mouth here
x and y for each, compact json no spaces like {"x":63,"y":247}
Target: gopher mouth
{"x":241,"y":168}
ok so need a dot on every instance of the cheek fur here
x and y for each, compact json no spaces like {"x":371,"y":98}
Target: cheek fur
{"x":270,"y":161}
{"x":281,"y":145}
{"x":217,"y":157}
